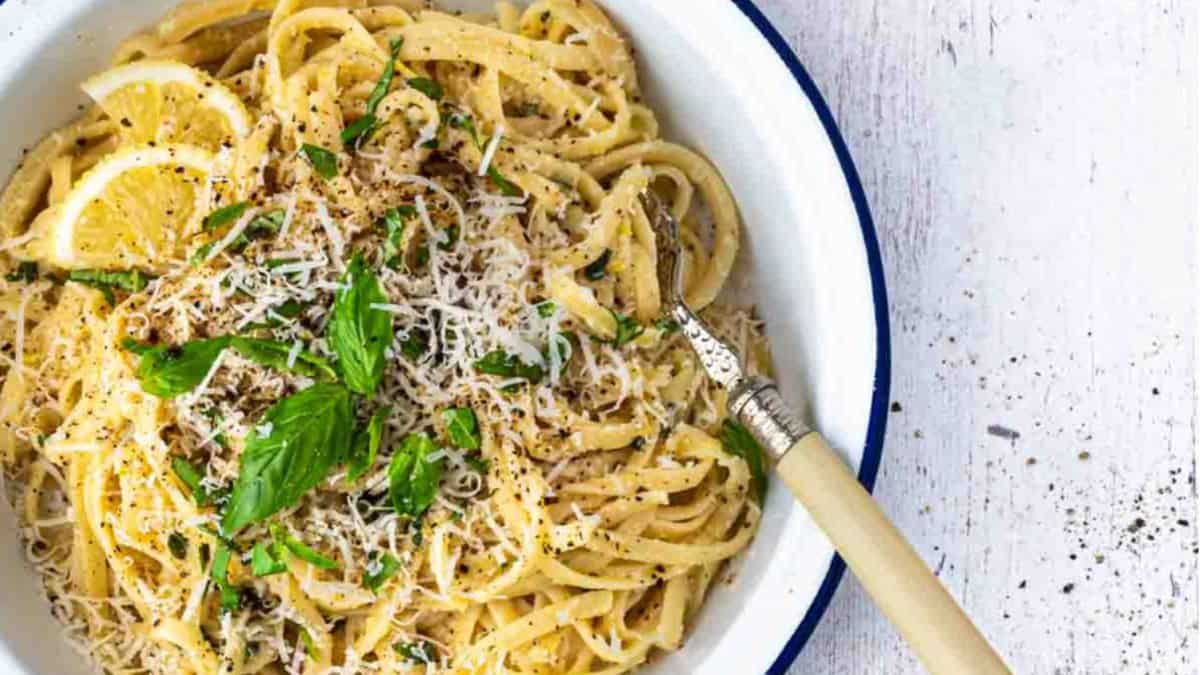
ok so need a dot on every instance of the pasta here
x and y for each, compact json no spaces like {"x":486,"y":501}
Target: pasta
{"x":332,"y":344}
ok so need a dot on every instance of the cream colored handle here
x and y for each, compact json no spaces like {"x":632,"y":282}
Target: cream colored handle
{"x":916,"y":603}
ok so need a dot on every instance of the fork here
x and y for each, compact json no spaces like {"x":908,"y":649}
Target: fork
{"x":900,"y":583}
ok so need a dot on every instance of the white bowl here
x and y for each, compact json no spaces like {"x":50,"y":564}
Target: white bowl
{"x":723,"y":81}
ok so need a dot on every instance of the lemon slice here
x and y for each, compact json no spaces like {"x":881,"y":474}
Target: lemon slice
{"x":133,"y":209}
{"x":169,"y":102}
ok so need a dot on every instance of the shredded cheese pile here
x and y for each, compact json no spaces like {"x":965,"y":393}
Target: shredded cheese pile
{"x":584,"y":533}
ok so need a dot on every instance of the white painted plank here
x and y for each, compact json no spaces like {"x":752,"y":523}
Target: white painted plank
{"x":1032,"y":171}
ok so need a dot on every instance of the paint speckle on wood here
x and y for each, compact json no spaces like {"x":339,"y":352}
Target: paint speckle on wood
{"x":1032,"y":172}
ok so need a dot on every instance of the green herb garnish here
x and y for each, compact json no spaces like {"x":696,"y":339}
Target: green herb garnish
{"x":359,"y":128}
{"x":359,"y":333}
{"x":598,"y":268}
{"x":26,"y":271}
{"x":667,"y":326}
{"x":465,"y":123}
{"x":296,"y":443}
{"x":737,"y":441}
{"x":224,"y":216}
{"x":415,"y":345}
{"x":462,"y":427}
{"x":267,"y":559}
{"x":167,"y":372}
{"x":322,"y":160}
{"x":192,"y":477}
{"x":366,"y":445}
{"x":628,"y":329}
{"x":230,"y":598}
{"x":393,"y":221}
{"x":507,"y":187}
{"x":428,"y":87}
{"x":364,"y":126}
{"x":452,"y":235}
{"x":304,"y":552}
{"x":106,"y":281}
{"x":178,"y":545}
{"x":547,"y":309}
{"x":274,"y":354}
{"x":412,"y":478}
{"x":477,"y":464}
{"x":385,"y":568}
{"x":500,"y":362}
{"x":417,"y":652}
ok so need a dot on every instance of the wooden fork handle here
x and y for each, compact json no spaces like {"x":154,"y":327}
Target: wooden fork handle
{"x":916,"y":603}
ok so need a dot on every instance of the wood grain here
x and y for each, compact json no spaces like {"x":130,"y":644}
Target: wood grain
{"x":1032,"y":171}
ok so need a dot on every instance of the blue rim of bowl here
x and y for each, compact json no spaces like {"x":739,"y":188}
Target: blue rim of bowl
{"x":873,"y":449}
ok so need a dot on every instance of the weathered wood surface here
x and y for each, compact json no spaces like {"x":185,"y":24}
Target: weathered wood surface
{"x":1032,"y":170}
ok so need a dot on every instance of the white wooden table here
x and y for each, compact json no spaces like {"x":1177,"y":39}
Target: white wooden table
{"x":1032,"y":169}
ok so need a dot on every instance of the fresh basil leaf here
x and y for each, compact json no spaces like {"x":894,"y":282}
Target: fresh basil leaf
{"x":393,"y":221}
{"x":547,"y":309}
{"x":290,"y":309}
{"x":417,"y":652}
{"x":275,"y":263}
{"x":106,"y":281}
{"x":507,"y":187}
{"x":26,"y":271}
{"x":215,"y":418}
{"x":362,"y":128}
{"x":267,"y":559}
{"x":366,"y":445}
{"x":739,"y":442}
{"x":598,"y":268}
{"x":477,"y":464}
{"x":500,"y":362}
{"x":465,"y":123}
{"x":412,"y":478}
{"x":323,"y":161}
{"x":462,"y":427}
{"x":385,"y":80}
{"x":359,"y":128}
{"x":359,"y":333}
{"x":379,"y":571}
{"x":307,"y":554}
{"x":415,"y":345}
{"x":133,"y":346}
{"x":192,"y":477}
{"x":178,"y":545}
{"x":167,"y":372}
{"x":230,"y":598}
{"x":428,"y":87}
{"x":224,"y":216}
{"x":274,"y":354}
{"x":260,"y":226}
{"x":628,"y":329}
{"x":308,"y":433}
{"x":667,"y":326}
{"x":452,"y":235}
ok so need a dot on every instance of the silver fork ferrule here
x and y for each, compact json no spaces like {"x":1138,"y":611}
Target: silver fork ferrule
{"x":755,"y":402}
